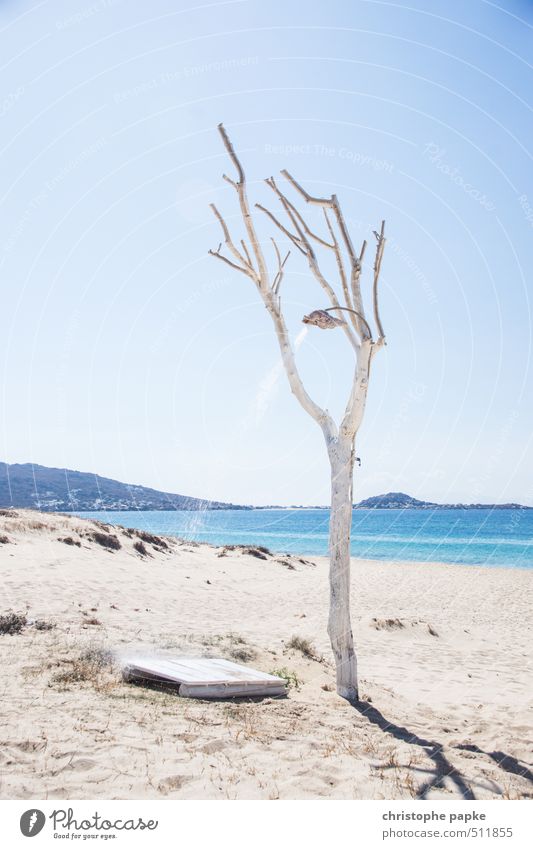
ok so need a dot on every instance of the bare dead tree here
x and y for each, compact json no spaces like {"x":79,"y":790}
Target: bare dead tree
{"x":248,"y":257}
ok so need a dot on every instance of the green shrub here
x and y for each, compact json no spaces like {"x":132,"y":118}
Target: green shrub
{"x":288,"y":675}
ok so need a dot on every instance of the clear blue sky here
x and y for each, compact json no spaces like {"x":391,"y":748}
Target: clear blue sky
{"x":127,"y":351}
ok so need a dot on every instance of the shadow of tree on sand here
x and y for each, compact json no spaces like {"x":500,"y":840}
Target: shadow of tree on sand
{"x":506,"y":762}
{"x":442,"y":768}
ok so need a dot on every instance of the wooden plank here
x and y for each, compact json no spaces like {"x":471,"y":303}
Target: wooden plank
{"x":205,"y":677}
{"x":230,"y":691}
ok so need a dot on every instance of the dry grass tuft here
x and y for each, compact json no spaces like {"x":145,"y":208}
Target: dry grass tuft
{"x":152,"y":539}
{"x":12,"y":623}
{"x":91,"y":666}
{"x":238,"y":648}
{"x":259,"y":551}
{"x":43,"y":625}
{"x":69,"y":541}
{"x":243,"y":654}
{"x":305,"y":647}
{"x":387,"y":624}
{"x":109,"y":541}
{"x":231,"y":644}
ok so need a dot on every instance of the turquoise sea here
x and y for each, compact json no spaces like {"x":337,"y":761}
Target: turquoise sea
{"x":483,"y":537}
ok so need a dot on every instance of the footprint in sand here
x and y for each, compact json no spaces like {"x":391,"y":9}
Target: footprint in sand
{"x":82,"y":764}
{"x":172,"y":783}
{"x":212,"y":747}
{"x":25,"y":745}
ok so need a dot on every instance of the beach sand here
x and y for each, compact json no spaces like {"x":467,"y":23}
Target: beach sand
{"x":444,"y":661}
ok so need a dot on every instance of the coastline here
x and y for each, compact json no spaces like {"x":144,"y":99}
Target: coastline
{"x":444,"y":654}
{"x":466,"y":538}
{"x":354,"y":559}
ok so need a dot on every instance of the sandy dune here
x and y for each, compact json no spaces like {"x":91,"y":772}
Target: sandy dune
{"x":445,"y":661}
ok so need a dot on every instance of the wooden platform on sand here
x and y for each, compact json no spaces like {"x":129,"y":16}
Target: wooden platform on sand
{"x":204,"y":677}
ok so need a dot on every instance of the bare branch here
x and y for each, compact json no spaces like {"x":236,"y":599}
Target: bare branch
{"x":232,"y":155}
{"x":281,"y":264}
{"x":322,"y":417}
{"x":278,"y":255}
{"x":356,"y":267}
{"x":355,"y":262}
{"x":245,"y":249}
{"x":270,"y":297}
{"x":377,"y":269}
{"x":295,"y":218}
{"x":303,"y":224}
{"x":240,"y":188}
{"x":218,"y":255}
{"x":229,"y":242}
{"x":355,"y":407}
{"x":340,"y":266}
{"x":305,"y":194}
{"x":294,"y":239}
{"x":326,"y":203}
{"x":361,"y":317}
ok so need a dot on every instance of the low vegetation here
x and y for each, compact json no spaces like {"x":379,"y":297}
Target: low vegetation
{"x":231,"y":645}
{"x":152,"y":539}
{"x":89,"y":666}
{"x":43,"y":625}
{"x":290,"y":677}
{"x":12,"y":623}
{"x":109,"y":541}
{"x":259,"y":551}
{"x":387,"y":624}
{"x":69,"y":541}
{"x":305,"y":647}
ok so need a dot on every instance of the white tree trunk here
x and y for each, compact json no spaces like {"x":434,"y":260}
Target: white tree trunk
{"x":341,"y":451}
{"x":341,"y":454}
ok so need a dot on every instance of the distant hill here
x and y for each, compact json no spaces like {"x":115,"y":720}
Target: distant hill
{"x":44,"y":488}
{"x":400,"y":500}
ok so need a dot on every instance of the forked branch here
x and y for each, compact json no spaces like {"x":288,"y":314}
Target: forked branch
{"x":249,"y":259}
{"x":300,"y":236}
{"x":332,"y":203}
{"x":269,"y":293}
{"x":243,"y":264}
{"x":234,"y":265}
{"x":281,"y":265}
